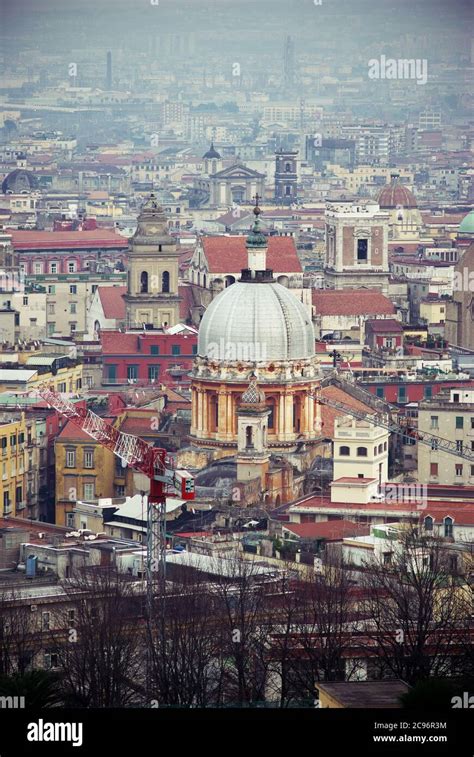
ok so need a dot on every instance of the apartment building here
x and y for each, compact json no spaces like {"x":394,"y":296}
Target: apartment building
{"x":451,"y":417}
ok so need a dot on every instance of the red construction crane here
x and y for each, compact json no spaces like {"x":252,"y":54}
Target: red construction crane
{"x":153,"y":462}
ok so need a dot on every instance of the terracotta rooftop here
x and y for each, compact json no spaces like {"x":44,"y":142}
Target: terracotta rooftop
{"x":112,"y":301}
{"x":229,"y":254}
{"x":329,"y":414}
{"x":67,"y":240}
{"x":351,"y":302}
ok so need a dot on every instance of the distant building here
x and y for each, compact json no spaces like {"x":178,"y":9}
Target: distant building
{"x":356,"y":245}
{"x":286,"y":177}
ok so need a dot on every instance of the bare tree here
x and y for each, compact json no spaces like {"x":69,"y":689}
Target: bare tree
{"x":17,"y":632}
{"x":415,"y":609}
{"x":184,"y":645}
{"x":100,"y":648}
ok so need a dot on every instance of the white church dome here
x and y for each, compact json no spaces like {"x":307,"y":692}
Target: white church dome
{"x":261,"y":322}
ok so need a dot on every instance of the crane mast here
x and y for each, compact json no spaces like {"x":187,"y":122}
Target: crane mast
{"x":153,"y":462}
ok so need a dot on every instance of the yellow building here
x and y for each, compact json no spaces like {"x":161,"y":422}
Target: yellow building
{"x":27,"y":379}
{"x":85,"y":470}
{"x":433,"y":311}
{"x":13,"y":463}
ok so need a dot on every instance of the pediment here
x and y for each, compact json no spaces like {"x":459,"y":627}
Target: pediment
{"x":238,"y":172}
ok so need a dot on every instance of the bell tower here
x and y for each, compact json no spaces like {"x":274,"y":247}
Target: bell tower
{"x":152,"y":295}
{"x":252,"y":428}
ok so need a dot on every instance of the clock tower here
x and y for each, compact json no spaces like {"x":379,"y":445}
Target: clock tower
{"x":152,"y":296}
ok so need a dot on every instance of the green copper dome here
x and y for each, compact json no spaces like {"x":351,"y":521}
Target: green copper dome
{"x":467,"y":224}
{"x":256,"y":238}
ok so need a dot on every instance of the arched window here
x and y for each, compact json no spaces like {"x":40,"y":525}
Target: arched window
{"x":287,"y":167}
{"x":385,"y":446}
{"x":380,"y":448}
{"x":361,"y":451}
{"x":144,"y":282}
{"x":375,"y":450}
{"x":165,"y":281}
{"x":344,"y":451}
{"x":204,"y":280}
{"x":229,"y":280}
{"x":448,"y":526}
{"x":429,"y":523}
{"x":248,"y":437}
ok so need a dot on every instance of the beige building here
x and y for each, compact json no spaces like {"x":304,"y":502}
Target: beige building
{"x":451,"y":418}
{"x":460,"y":309}
{"x":356,"y":245}
{"x":152,"y":297}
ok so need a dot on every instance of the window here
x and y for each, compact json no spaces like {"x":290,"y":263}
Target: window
{"x":434,"y":444}
{"x":195,"y":349}
{"x":6,"y":502}
{"x":153,"y":372}
{"x":459,"y":446}
{"x":73,"y":308}
{"x":428,"y":392}
{"x":387,"y":558}
{"x":51,"y":661}
{"x":73,"y":289}
{"x":455,"y":397}
{"x":176,"y":349}
{"x":344,"y":451}
{"x":429,"y":523}
{"x":165,"y":281}
{"x":71,"y":266}
{"x":13,"y":440}
{"x":38,"y":269}
{"x":71,"y":618}
{"x":132,"y":372}
{"x":53,"y":268}
{"x":89,"y":491}
{"x":362,"y":250}
{"x":154,"y":349}
{"x":361,"y":451}
{"x":50,"y":308}
{"x":402,"y":394}
{"x":18,"y":495}
{"x":379,"y":392}
{"x":472,"y":470}
{"x":248,"y":437}
{"x":433,"y":469}
{"x":434,"y":422}
{"x":459,"y":421}
{"x":70,"y":458}
{"x":51,"y":288}
{"x":144,"y":282}
{"x":45,"y":621}
{"x":88,"y":458}
{"x":111,"y":373}
{"x":70,"y":520}
{"x":448,"y":527}
{"x":458,"y":469}
{"x":25,"y":300}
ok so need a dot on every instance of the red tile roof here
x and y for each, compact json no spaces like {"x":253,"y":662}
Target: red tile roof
{"x":353,"y":480}
{"x":73,"y":433}
{"x":329,"y":414}
{"x":67,"y":240}
{"x":351,"y":302}
{"x":229,"y":254}
{"x":385,"y":326}
{"x":112,"y":301}
{"x":118,"y":344}
{"x":461,"y":512}
{"x":330,"y":530}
